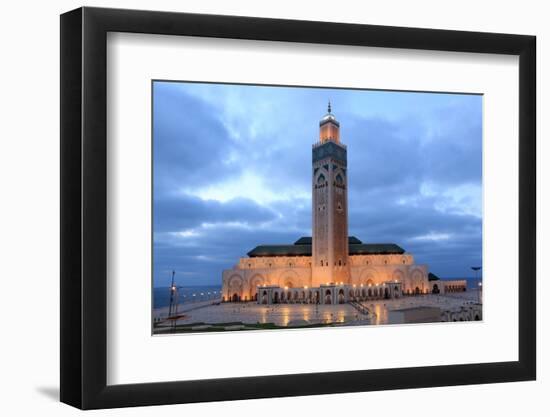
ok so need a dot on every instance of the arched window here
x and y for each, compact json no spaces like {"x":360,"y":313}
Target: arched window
{"x":321,"y":179}
{"x":339,"y":180}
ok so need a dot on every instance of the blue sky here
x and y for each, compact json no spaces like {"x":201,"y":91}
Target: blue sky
{"x":232,"y":170}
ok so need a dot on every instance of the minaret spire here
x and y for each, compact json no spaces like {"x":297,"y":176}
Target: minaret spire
{"x":329,"y":127}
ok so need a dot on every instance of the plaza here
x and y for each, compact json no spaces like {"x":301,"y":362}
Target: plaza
{"x":464,"y":306}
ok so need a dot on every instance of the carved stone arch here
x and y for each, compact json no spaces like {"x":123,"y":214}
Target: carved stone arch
{"x":398,"y":275}
{"x":254,"y":282}
{"x":417,"y":275}
{"x":322,"y":172}
{"x":235,"y":281}
{"x":366,"y":275}
{"x":289,"y":278}
{"x":235,"y":287}
{"x":340,"y":171}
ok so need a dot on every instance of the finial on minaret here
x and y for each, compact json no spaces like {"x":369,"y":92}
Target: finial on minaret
{"x":329,"y":127}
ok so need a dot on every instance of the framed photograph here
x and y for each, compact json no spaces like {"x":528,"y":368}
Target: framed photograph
{"x":255,"y":208}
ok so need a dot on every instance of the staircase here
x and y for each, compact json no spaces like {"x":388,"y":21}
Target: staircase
{"x":360,"y":308}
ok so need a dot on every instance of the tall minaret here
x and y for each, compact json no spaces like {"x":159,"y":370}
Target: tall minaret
{"x":330,"y":205}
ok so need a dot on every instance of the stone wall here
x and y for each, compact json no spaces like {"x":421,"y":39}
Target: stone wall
{"x":241,"y":282}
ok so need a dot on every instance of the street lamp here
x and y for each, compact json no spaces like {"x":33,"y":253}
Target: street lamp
{"x":480,"y":287}
{"x":476,"y":271}
{"x":172,"y":294}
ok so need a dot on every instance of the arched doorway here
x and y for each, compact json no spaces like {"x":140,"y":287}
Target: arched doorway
{"x":386,"y":293}
{"x":417,"y":290}
{"x":264,"y":297}
{"x":235,"y":298}
{"x":435,"y":289}
{"x":341,"y":297}
{"x":276,"y":298}
{"x":328,"y":298}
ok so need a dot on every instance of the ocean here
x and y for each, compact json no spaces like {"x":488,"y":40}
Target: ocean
{"x":161,"y":295}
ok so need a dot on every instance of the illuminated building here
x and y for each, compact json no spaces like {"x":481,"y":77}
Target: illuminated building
{"x":330,"y":267}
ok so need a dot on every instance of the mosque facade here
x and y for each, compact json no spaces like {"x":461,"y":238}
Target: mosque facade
{"x":329,"y":267}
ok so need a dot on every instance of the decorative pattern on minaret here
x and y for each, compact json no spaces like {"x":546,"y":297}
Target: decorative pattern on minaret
{"x":330,"y":205}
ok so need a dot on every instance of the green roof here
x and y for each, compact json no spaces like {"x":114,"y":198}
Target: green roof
{"x":302,"y":247}
{"x":432,"y":277}
{"x":375,"y":249}
{"x":306,"y":240}
{"x":281,"y":250}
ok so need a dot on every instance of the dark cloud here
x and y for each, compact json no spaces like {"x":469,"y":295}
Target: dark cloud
{"x":407,"y":176}
{"x":191,"y":145}
{"x":178,"y":213}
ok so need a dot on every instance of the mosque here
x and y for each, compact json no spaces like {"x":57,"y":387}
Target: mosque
{"x":330,"y":267}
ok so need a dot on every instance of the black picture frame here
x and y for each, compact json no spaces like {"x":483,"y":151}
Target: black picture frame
{"x":84,"y":207}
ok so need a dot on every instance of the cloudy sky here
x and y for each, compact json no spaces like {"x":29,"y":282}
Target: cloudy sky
{"x":232,"y":170}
